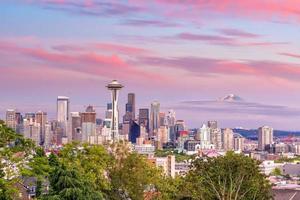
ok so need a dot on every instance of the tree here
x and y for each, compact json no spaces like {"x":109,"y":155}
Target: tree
{"x":276,"y":172}
{"x":14,"y":150}
{"x":6,"y":186}
{"x":69,"y":184}
{"x":228,"y":177}
{"x":92,"y":162}
{"x":134,"y":178}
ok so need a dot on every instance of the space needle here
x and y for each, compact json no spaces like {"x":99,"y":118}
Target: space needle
{"x":114,"y":87}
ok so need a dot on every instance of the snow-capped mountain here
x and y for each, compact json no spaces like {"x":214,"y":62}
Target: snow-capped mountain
{"x":231,"y":98}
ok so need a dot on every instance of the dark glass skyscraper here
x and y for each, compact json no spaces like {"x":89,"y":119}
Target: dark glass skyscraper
{"x":144,"y":118}
{"x":130,"y":109}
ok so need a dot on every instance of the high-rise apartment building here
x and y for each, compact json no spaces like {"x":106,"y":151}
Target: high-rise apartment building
{"x":265,"y":137}
{"x":154,"y":117}
{"x":216,"y":138}
{"x":238,"y":143}
{"x":204,"y":136}
{"x":114,"y":87}
{"x":227,"y":139}
{"x":30,"y":116}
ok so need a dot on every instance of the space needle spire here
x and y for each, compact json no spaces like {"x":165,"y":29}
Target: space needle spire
{"x":114,"y":87}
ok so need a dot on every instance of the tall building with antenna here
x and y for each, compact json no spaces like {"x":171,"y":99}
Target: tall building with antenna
{"x":114,"y":87}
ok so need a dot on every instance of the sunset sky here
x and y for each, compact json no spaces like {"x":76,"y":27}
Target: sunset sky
{"x":185,"y":54}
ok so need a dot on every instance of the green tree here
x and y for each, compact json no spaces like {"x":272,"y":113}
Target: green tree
{"x":232,"y":176}
{"x":14,"y":151}
{"x":134,"y":178}
{"x":91,"y":161}
{"x":276,"y":172}
{"x":69,"y":184}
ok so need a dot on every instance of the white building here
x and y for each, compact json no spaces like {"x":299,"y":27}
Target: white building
{"x":227,"y":139}
{"x":238,"y":143}
{"x":265,"y":137}
{"x":32,"y":131}
{"x":154,"y":117}
{"x":63,"y":108}
{"x":204,"y":134}
{"x":167,"y":164}
{"x":144,"y":149}
{"x":48,"y":136}
{"x":268,"y":166}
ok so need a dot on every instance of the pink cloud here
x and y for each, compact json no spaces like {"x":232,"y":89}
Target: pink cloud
{"x":214,"y":39}
{"x":266,"y":9}
{"x":204,"y":67}
{"x":226,"y":40}
{"x":238,"y":33}
{"x":109,"y":66}
{"x":102,"y":47}
{"x":194,"y":10}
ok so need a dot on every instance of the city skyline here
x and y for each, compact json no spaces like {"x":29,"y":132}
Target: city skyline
{"x":160,"y":51}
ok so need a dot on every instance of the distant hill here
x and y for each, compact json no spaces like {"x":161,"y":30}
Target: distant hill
{"x":252,"y":133}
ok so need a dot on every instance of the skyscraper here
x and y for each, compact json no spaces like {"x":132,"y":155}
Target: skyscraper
{"x":162,"y":119}
{"x":114,"y":87}
{"x":154,"y":117}
{"x":227,"y":139}
{"x":76,"y":127}
{"x":48,"y":136}
{"x":63,"y":108}
{"x":144,"y":118}
{"x":19,"y":121}
{"x":204,"y":137}
{"x":32,"y":131}
{"x":88,"y":124}
{"x":171,"y":118}
{"x":178,"y":127}
{"x":11,"y":120}
{"x":238,"y":143}
{"x":130,"y":108}
{"x":265,"y":137}
{"x":212,"y":124}
{"x":134,"y":132}
{"x":41,"y":118}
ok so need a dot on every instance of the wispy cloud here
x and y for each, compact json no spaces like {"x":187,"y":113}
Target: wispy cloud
{"x":231,"y":38}
{"x":89,"y":8}
{"x":144,"y":22}
{"x":237,"y":33}
{"x":93,"y":63}
{"x":102,"y":47}
{"x":240,"y":108}
{"x":206,"y":67}
{"x":293,"y":55}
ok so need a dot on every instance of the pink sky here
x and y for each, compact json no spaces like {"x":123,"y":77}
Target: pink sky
{"x":170,"y":51}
